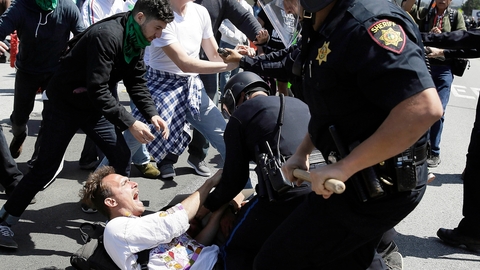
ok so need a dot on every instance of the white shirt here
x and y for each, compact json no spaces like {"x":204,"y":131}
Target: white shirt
{"x":230,"y":33}
{"x":188,"y":31}
{"x":164,"y":232}
{"x":96,"y":10}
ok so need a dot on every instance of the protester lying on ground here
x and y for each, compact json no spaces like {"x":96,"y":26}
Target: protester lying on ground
{"x":164,"y":232}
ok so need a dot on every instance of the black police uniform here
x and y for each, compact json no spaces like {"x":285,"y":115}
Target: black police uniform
{"x":254,"y":122}
{"x":466,"y":44}
{"x":366,"y":58}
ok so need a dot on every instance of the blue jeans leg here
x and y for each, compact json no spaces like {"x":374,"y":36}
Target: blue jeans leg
{"x":443,"y":78}
{"x":198,"y":147}
{"x":211,"y":123}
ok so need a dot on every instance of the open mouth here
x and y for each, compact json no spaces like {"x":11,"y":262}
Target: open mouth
{"x":135,"y":196}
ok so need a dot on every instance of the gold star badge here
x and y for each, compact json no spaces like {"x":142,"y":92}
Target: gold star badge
{"x":322,"y":53}
{"x":391,"y":37}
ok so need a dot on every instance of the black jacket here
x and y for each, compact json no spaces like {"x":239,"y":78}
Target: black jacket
{"x":254,"y":122}
{"x":96,"y":62}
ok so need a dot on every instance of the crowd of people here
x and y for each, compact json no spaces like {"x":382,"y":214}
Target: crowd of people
{"x":377,"y":137}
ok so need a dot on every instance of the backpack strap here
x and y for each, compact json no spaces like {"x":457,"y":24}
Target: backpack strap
{"x":453,"y":16}
{"x":143,"y":258}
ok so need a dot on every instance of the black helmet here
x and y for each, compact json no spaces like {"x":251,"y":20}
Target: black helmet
{"x":245,"y":81}
{"x":314,"y":5}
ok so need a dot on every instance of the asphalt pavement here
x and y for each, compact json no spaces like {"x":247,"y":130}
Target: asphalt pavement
{"x":48,"y":234}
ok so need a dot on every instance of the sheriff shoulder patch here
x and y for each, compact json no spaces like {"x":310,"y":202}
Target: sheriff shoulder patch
{"x":388,"y":35}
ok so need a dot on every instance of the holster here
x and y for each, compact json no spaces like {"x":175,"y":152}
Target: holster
{"x":399,"y":173}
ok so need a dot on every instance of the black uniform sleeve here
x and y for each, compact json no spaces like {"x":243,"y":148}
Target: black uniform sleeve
{"x":453,"y":40}
{"x":275,"y":64}
{"x":472,"y":53}
{"x":236,"y":169}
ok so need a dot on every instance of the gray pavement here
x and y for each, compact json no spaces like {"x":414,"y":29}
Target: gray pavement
{"x":47,"y":233}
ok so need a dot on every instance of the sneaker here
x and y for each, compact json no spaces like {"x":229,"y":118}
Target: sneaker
{"x":430,"y":177}
{"x":456,"y":238}
{"x":16,"y":145}
{"x":394,"y":261}
{"x":200,"y":166}
{"x":90,"y":166}
{"x":433,"y":161}
{"x":6,"y":237}
{"x":167,"y":171}
{"x":87,"y":209}
{"x":392,"y":258}
{"x":148,"y":170}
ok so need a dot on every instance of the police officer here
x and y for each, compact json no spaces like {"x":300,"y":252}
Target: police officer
{"x":254,"y":121}
{"x":464,"y":44}
{"x":371,"y":100}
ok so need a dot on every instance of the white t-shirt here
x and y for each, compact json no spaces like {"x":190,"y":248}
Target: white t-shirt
{"x":96,"y":10}
{"x":164,"y":232}
{"x":188,"y":31}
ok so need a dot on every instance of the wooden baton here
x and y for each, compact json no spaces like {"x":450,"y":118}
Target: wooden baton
{"x":334,"y":185}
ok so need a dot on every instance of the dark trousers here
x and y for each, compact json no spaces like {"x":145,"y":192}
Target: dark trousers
{"x":470,"y":224}
{"x":59,"y":126}
{"x":257,"y":220}
{"x":198,"y":147}
{"x":26,"y":87}
{"x":9,"y":173}
{"x":337,"y":233}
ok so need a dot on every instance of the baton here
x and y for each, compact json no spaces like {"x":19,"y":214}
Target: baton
{"x":334,"y":185}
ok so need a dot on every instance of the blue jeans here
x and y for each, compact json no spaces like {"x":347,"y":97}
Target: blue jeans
{"x":443,"y":78}
{"x":59,"y":126}
{"x":211,"y":124}
{"x":225,"y":76}
{"x":198,"y":147}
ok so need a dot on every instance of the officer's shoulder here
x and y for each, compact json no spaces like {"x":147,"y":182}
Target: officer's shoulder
{"x":384,"y":21}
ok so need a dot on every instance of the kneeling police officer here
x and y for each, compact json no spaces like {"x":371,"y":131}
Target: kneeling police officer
{"x":253,"y":121}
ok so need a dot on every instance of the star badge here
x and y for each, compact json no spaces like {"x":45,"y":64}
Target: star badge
{"x":322,"y":53}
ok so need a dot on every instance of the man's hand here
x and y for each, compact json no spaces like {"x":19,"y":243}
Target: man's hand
{"x":296,"y":161}
{"x":246,"y":50}
{"x":141,"y":132}
{"x":3,"y":48}
{"x":434,"y":52}
{"x":319,"y":175}
{"x":261,"y":37}
{"x":161,"y":125}
{"x":436,"y":30}
{"x":233,"y":57}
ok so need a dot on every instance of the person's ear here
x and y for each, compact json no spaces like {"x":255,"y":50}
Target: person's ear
{"x":140,"y":18}
{"x":110,"y":202}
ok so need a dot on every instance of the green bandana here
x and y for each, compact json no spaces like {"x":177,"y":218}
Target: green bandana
{"x":134,"y":40}
{"x":47,"y":5}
